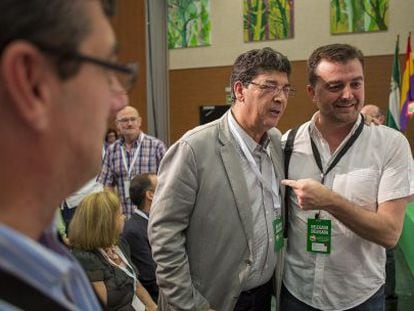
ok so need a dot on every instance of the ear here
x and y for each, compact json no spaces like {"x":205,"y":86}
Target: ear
{"x":149,"y":195}
{"x":311,"y":92}
{"x":238,"y":91}
{"x":27,"y":77}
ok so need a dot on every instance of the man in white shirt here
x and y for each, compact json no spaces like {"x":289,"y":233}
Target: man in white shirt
{"x":350,"y":185}
{"x":391,"y":297}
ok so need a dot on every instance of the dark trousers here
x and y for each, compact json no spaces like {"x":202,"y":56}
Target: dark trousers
{"x":256,"y":299}
{"x":288,"y":302}
{"x":390,"y":274}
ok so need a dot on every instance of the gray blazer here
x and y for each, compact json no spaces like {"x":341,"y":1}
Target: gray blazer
{"x":200,"y":227}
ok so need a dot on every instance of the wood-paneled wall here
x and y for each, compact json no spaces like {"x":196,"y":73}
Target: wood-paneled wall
{"x":192,"y":88}
{"x":129,"y":26}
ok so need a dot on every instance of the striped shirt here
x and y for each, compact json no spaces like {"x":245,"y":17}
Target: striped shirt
{"x":47,"y":266}
{"x":114,"y":173}
{"x":264,"y":207}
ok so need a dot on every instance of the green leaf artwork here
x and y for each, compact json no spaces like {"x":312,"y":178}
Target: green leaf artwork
{"x":349,"y":16}
{"x":267,"y":20}
{"x":189,"y":23}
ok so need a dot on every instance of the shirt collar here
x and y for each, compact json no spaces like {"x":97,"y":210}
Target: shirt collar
{"x":141,"y":213}
{"x":48,"y":254}
{"x":251,"y":144}
{"x":135,"y":142}
{"x":317,"y":134}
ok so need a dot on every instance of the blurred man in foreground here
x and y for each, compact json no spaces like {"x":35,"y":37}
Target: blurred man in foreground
{"x":57,"y":89}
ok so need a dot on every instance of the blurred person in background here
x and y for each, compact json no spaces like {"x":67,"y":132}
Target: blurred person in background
{"x":375,"y":113}
{"x":132,"y":154}
{"x":111,"y":136}
{"x":135,"y":231}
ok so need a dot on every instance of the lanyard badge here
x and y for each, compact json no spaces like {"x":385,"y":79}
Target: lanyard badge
{"x":278,"y":233}
{"x":319,"y":236}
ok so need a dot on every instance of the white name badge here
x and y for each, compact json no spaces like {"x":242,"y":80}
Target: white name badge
{"x":137,"y":304}
{"x":126,"y":188}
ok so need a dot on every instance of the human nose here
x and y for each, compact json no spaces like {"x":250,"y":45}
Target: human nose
{"x":119,"y":99}
{"x":347,"y":92}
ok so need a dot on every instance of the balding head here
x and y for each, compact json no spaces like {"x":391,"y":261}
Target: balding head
{"x":128,"y":123}
{"x":127,"y":110}
{"x":374,"y":112}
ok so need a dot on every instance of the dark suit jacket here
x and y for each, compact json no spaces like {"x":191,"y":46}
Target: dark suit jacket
{"x":135,"y":233}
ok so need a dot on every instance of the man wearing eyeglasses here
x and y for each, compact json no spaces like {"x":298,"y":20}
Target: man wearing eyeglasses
{"x":216,"y":223}
{"x":58,"y":87}
{"x":133,"y":154}
{"x":351,"y":183}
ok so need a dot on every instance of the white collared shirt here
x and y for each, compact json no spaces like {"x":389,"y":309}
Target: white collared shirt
{"x":374,"y":170}
{"x":264,"y":207}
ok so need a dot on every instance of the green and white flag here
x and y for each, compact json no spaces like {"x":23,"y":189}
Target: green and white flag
{"x":393,"y":115}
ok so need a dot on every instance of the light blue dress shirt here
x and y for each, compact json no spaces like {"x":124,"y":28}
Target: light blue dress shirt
{"x":48,"y":266}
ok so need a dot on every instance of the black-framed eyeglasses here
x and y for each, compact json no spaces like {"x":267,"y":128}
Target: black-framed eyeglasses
{"x":125,"y":74}
{"x":275,"y":90}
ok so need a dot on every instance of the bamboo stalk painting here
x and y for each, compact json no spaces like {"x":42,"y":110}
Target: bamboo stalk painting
{"x":267,"y":20}
{"x":349,"y":16}
{"x":189,"y":23}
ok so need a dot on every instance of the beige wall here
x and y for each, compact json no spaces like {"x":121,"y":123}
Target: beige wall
{"x":198,"y":76}
{"x":311,"y":30}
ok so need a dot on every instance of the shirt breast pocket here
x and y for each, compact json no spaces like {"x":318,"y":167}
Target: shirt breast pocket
{"x":359,"y":186}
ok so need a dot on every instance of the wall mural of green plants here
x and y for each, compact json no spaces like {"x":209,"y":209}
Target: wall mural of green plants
{"x":359,"y":15}
{"x":267,"y":20}
{"x":189,"y":23}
